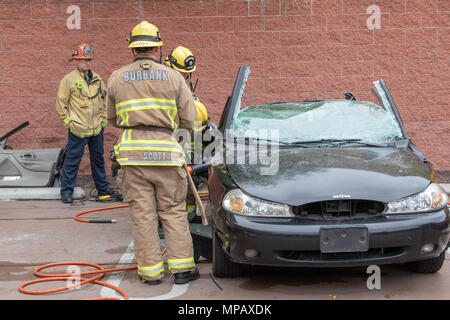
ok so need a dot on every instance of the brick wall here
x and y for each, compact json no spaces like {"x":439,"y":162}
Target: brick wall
{"x":316,"y":50}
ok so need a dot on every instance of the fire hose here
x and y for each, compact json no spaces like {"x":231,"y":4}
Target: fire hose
{"x":76,"y":277}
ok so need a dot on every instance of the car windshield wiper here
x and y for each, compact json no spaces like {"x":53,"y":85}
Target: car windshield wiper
{"x":275,"y":142}
{"x":374,"y":144}
{"x":357,"y":141}
{"x":248,"y":139}
{"x":311,"y":143}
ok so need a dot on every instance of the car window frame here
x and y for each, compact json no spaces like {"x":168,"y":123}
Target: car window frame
{"x":233,"y":104}
{"x":385,"y":97}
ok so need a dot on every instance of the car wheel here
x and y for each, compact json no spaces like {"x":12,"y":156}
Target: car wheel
{"x":222,"y":266}
{"x":428,"y":266}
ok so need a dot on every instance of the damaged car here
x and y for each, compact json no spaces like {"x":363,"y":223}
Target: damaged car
{"x":322,"y":183}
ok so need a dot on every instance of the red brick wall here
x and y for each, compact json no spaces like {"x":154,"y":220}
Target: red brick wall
{"x":316,"y":50}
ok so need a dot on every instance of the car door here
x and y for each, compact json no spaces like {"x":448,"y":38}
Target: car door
{"x":27,"y":167}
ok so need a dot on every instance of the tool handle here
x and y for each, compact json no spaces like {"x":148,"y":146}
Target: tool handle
{"x":196,"y":196}
{"x":103,"y":221}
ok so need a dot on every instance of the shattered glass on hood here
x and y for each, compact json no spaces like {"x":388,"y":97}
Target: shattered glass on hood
{"x":331,"y":119}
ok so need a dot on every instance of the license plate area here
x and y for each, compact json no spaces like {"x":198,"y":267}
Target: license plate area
{"x":335,"y":240}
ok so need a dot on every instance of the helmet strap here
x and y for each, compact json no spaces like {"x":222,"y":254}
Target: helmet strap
{"x":170,"y":58}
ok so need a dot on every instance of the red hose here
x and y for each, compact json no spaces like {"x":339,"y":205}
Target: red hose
{"x":76,"y":217}
{"x":67,"y":276}
{"x":76,"y":276}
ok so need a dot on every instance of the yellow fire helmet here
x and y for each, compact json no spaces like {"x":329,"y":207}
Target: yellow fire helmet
{"x":202,"y":113}
{"x":181,"y":59}
{"x":144,"y":35}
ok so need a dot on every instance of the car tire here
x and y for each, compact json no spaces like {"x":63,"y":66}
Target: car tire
{"x":222,"y":266}
{"x":428,"y":266}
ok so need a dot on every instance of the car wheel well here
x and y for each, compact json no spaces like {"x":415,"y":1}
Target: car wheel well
{"x":222,"y":266}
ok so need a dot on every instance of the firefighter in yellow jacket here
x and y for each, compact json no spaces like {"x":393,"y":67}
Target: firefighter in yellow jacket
{"x":182,"y":60}
{"x":149,"y":101}
{"x":80,"y":105}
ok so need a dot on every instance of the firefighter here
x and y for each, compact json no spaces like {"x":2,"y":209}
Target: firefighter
{"x":149,"y":101}
{"x":182,"y":60}
{"x":80,"y":104}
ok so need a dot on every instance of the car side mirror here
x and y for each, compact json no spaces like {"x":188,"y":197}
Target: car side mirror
{"x":418,"y":153}
{"x":349,"y":96}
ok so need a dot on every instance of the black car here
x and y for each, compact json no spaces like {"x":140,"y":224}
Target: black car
{"x":322,"y":183}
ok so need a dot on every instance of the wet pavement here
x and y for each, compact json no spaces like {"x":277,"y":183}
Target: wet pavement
{"x":34,"y":233}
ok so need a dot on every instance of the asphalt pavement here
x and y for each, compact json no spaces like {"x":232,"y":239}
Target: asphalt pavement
{"x":39,"y":232}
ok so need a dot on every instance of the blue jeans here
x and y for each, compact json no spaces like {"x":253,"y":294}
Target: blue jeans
{"x":75,"y":151}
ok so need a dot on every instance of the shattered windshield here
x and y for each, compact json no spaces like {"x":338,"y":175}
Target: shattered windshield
{"x":330,"y":119}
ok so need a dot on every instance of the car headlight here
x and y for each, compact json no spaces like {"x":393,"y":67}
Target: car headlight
{"x":241,"y":203}
{"x":433,"y":198}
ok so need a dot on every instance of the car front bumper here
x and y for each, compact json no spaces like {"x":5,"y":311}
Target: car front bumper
{"x":296,"y":242}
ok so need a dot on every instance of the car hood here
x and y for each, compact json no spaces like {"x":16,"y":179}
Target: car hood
{"x":320,"y":174}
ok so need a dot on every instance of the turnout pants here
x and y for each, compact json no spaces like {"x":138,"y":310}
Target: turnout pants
{"x":152,"y":192}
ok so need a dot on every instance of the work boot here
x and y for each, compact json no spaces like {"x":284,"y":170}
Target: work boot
{"x":110,"y":192}
{"x":185,"y":277}
{"x":151,"y":282}
{"x":66,"y":198}
{"x":107,"y":192}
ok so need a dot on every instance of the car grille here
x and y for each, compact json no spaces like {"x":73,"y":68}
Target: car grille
{"x":374,"y":253}
{"x":340,"y":209}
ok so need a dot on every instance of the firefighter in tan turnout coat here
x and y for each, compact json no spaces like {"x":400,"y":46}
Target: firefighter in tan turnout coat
{"x":182,"y":60}
{"x":149,"y":101}
{"x":80,"y":104}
